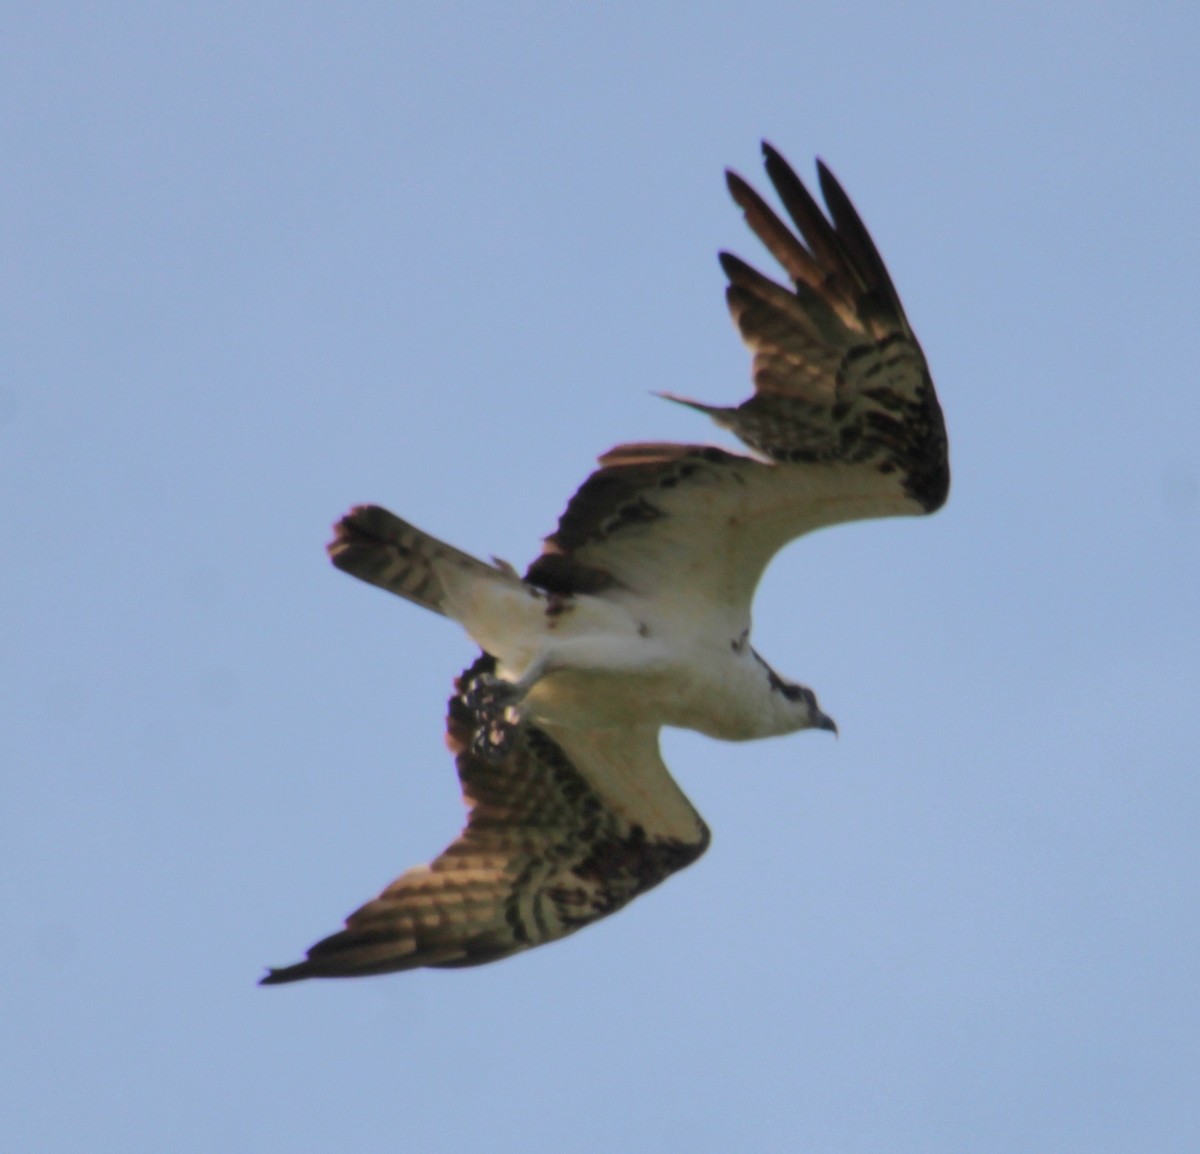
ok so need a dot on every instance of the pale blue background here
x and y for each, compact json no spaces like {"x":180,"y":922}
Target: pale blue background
{"x":263,"y":261}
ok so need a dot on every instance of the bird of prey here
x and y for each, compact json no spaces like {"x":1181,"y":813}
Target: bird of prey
{"x":636,"y":615}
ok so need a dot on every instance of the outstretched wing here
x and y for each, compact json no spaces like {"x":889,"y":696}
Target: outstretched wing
{"x":838,"y":373}
{"x":844,"y":411}
{"x":568,"y":828}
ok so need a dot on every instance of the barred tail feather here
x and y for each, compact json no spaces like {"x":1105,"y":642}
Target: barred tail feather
{"x":378,"y":547}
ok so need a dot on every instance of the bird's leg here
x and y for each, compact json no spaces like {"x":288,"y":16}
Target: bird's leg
{"x":488,"y":692}
{"x":497,"y":703}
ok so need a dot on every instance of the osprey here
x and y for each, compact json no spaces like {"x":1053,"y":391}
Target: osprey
{"x":637,"y":613}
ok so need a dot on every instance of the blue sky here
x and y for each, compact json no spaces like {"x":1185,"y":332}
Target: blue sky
{"x":265,"y":261}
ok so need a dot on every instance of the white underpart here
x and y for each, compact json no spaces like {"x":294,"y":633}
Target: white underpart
{"x":596,"y":661}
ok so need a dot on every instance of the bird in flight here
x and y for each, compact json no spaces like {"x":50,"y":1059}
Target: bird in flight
{"x":636,"y":615}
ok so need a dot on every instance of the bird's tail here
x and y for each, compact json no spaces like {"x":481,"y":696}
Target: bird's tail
{"x":378,"y":547}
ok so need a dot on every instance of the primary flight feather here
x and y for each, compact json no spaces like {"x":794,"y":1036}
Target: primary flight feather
{"x":637,"y":613}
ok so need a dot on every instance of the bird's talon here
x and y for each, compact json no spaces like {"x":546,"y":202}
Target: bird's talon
{"x":493,"y":739}
{"x":488,"y":694}
{"x":493,"y":701}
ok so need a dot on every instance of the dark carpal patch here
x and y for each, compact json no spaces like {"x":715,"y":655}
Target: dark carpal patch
{"x":617,"y":499}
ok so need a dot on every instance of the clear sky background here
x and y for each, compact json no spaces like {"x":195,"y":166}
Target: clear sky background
{"x":262,"y":261}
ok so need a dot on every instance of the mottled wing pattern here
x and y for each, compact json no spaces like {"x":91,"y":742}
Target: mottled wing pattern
{"x":544,"y":852}
{"x":844,"y":411}
{"x":692,"y":520}
{"x":838,"y":375}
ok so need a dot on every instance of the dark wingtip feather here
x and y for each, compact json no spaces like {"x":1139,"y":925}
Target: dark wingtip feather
{"x":739,"y":189}
{"x":734,"y":267}
{"x":855,"y":236}
{"x":835,"y":196}
{"x":818,"y":233}
{"x":277,"y":977}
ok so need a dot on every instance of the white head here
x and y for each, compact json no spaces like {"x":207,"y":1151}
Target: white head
{"x":796,"y":705}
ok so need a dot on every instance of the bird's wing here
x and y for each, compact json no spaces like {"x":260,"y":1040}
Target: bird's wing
{"x":566,"y":829}
{"x":844,"y":412}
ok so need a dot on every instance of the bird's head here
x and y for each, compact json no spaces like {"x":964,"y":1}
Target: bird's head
{"x":805,"y":702}
{"x":795,"y":706}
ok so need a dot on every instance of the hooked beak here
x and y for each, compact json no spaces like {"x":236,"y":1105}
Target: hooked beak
{"x":822,"y":721}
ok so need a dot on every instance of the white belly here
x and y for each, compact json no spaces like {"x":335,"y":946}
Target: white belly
{"x":599,"y":665}
{"x":719,"y":695}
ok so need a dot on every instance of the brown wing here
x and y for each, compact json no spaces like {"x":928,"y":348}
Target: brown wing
{"x":691,"y":520}
{"x":564,"y":831}
{"x":843,"y":409}
{"x":838,"y":375}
